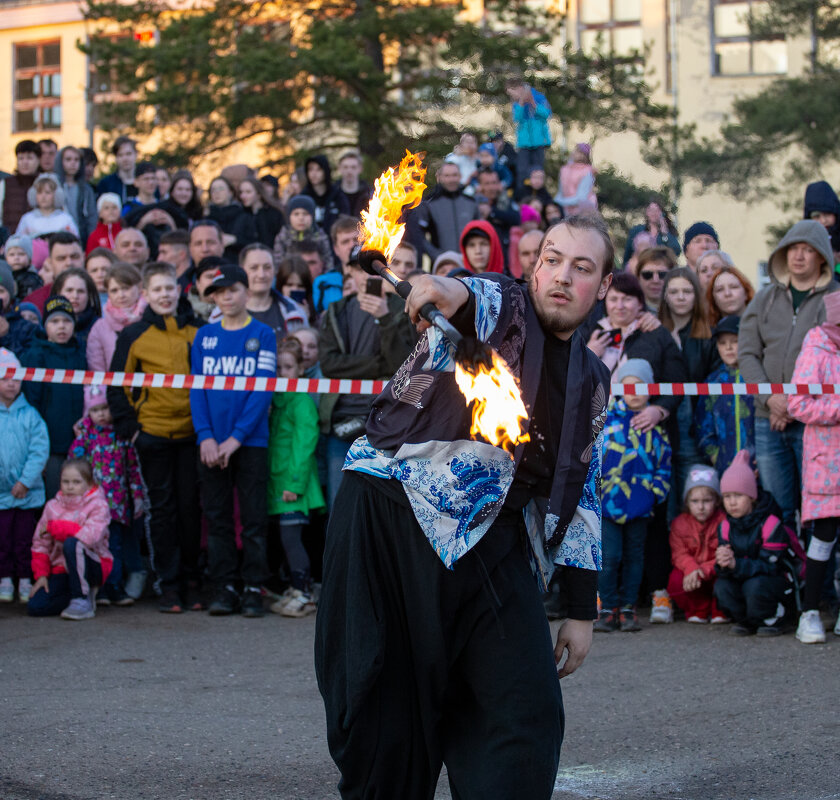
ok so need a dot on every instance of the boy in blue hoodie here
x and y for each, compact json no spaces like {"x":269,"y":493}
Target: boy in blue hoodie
{"x":636,"y":475}
{"x":232,"y":431}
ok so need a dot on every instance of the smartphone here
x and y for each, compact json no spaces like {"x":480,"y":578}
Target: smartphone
{"x":298,"y":295}
{"x":615,"y":335}
{"x":374,"y":286}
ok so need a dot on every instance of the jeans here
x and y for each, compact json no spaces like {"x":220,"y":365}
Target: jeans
{"x":779,"y":458}
{"x":50,"y":603}
{"x":17,"y":525}
{"x":528,"y":158}
{"x":247,"y":472}
{"x":751,"y":601}
{"x":336,"y":453}
{"x":685,"y":456}
{"x":624,"y":552}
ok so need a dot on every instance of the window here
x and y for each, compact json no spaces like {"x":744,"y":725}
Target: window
{"x":37,"y":89}
{"x":733,"y":53}
{"x":615,"y":23}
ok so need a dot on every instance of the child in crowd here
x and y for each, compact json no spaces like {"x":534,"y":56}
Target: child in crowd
{"x":751,"y":584}
{"x":819,"y":362}
{"x":61,"y":405}
{"x":18,"y":255}
{"x":694,"y":540}
{"x":105,"y":233}
{"x":16,"y":333}
{"x":481,"y":248}
{"x":46,"y":197}
{"x":725,"y":424}
{"x":294,"y":490}
{"x":232,"y":431}
{"x":116,"y":470}
{"x":70,"y":555}
{"x":636,"y":473}
{"x":300,"y":226}
{"x":23,"y":455}
{"x":125,"y":306}
{"x":202,"y":303}
{"x":30,"y":312}
{"x":159,"y":423}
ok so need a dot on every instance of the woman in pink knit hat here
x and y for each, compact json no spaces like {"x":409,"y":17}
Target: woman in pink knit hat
{"x":819,"y":362}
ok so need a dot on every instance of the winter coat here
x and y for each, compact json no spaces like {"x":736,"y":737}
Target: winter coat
{"x":330,"y":205}
{"x":103,"y":236}
{"x":659,"y":349}
{"x":756,"y":539}
{"x":497,"y":257}
{"x":61,"y":405}
{"x":26,"y":282}
{"x":636,"y":467}
{"x":115,"y":469}
{"x":819,"y":362}
{"x":724,"y":425}
{"x":292,"y":467}
{"x":267,"y":223}
{"x":288,"y":237}
{"x":236,"y":221}
{"x":23,"y":455}
{"x":114,"y":183}
{"x":819,"y":196}
{"x":442,"y":217}
{"x":20,"y":334}
{"x":577,"y":189}
{"x":84,"y":324}
{"x":531,"y":122}
{"x":693,"y":544}
{"x":84,"y":209}
{"x":14,"y":200}
{"x":700,"y":355}
{"x":90,"y":517}
{"x":771,"y":334}
{"x":35,"y":223}
{"x":102,"y":339}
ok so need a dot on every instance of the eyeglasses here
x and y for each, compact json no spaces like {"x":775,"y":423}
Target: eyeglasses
{"x":650,"y":274}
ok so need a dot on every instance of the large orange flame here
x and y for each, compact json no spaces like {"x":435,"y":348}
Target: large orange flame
{"x":498,"y":409}
{"x":394,"y":189}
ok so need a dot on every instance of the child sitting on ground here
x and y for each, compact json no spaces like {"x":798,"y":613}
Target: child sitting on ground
{"x":18,"y":255}
{"x":301,"y":226}
{"x":23,"y":454}
{"x":293,"y":489}
{"x":694,"y":541}
{"x":117,"y":472}
{"x":636,"y":474}
{"x":751,"y":586}
{"x":725,"y":424}
{"x":46,"y":197}
{"x":70,"y":555}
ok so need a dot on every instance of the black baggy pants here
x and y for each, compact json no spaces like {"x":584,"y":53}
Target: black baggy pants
{"x":419,"y":665}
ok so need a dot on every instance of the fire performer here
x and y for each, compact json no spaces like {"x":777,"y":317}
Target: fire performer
{"x":432,"y":645}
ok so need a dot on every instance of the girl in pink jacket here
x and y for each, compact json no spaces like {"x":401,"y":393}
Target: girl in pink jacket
{"x":70,"y":555}
{"x":819,"y":362}
{"x":125,"y":305}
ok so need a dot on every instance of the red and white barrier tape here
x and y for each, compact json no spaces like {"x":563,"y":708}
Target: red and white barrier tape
{"x":352,"y":386}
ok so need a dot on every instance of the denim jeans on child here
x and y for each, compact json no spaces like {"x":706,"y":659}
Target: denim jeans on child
{"x":624,"y":555}
{"x":778,"y":455}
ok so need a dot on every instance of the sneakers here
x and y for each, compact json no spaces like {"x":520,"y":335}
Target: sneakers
{"x":252,"y":603}
{"x":607,"y":621}
{"x":279,"y":604}
{"x":662,"y":612}
{"x":193,"y":597}
{"x":24,"y":587}
{"x":629,"y":620}
{"x":775,"y":629}
{"x":225,"y":602}
{"x":742,"y":629}
{"x":170,"y":602}
{"x":810,"y":629}
{"x":7,"y":590}
{"x":298,"y":605}
{"x":720,"y":620}
{"x":135,"y":584}
{"x":698,"y":620}
{"x":79,"y":608}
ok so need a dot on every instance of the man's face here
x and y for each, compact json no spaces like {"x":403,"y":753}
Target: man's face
{"x":48,"y":154}
{"x":161,"y":294}
{"x":449,"y":177}
{"x":314,"y":262}
{"x":697,"y":246}
{"x":131,"y":246}
{"x":804,"y":262}
{"x":345,"y":241}
{"x":27,"y":163}
{"x":350,"y":168}
{"x":175,"y":254}
{"x":567,"y":280}
{"x":146,"y":184}
{"x":477,"y":251}
{"x":403,"y":262}
{"x":126,"y":158}
{"x":205,"y":240}
{"x":64,"y":256}
{"x":529,"y":252}
{"x":489,"y":185}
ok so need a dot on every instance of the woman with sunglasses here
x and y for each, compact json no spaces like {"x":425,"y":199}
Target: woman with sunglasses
{"x":652,"y":267}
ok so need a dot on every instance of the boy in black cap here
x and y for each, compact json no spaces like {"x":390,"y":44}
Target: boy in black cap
{"x":202,"y":303}
{"x":232,"y":430}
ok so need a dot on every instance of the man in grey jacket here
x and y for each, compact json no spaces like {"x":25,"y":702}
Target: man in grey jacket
{"x":772,"y":329}
{"x":443,"y":216}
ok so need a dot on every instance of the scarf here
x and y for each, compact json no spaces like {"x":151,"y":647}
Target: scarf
{"x":119,"y":318}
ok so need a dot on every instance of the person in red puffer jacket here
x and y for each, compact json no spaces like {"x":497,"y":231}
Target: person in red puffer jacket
{"x":70,"y":555}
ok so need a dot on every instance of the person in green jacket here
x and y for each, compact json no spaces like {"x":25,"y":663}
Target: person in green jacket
{"x":293,"y":487}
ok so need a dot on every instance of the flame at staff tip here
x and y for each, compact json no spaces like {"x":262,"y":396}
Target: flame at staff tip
{"x":394,"y":189}
{"x":498,"y":403}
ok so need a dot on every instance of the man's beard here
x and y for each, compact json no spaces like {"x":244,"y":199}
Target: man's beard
{"x":557,"y":321}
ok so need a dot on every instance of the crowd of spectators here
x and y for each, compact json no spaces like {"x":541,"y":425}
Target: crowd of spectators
{"x":216,"y":499}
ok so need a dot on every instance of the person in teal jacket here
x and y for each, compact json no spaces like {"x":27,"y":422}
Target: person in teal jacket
{"x":531,"y":112}
{"x":293,"y":486}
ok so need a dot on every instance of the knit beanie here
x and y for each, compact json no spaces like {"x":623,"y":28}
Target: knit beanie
{"x":739,"y":477}
{"x":832,"y":308}
{"x":7,"y":280}
{"x":23,"y":242}
{"x":448,"y":255}
{"x":634,"y":368}
{"x":8,"y":359}
{"x":528,"y":214}
{"x":59,"y":305}
{"x":94,"y":396}
{"x":698,"y":229}
{"x":701,"y":475}
{"x":108,"y":197}
{"x":301,"y":201}
{"x":25,"y":305}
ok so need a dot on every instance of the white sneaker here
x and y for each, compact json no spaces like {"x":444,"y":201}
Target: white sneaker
{"x":662,"y":612}
{"x":280,"y":603}
{"x":698,"y":620}
{"x":24,"y":587}
{"x":7,"y":590}
{"x":135,"y":584}
{"x":299,"y":605}
{"x":837,"y":626}
{"x":810,"y":629}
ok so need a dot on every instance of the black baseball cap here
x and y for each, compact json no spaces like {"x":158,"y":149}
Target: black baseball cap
{"x":59,"y":305}
{"x":211,"y":262}
{"x":226,"y":276}
{"x":729,"y":324}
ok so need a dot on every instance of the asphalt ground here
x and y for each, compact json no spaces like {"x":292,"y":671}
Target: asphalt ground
{"x":136,"y":705}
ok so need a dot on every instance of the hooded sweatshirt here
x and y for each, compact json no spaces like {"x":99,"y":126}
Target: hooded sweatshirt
{"x":497,"y":259}
{"x":23,"y":456}
{"x":332,"y":203}
{"x":820,"y":196}
{"x":442,"y":216}
{"x":80,"y":199}
{"x":771,"y":332}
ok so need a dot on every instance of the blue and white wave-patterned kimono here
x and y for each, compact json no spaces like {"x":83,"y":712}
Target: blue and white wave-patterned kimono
{"x":418,"y":433}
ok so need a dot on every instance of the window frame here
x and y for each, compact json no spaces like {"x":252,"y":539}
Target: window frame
{"x":608,"y":28}
{"x":746,"y":39}
{"x":41,"y":70}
